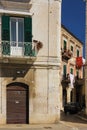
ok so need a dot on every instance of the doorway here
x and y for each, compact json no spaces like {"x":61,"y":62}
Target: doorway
{"x":17,"y":103}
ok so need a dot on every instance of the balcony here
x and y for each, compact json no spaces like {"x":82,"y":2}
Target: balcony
{"x":65,"y":79}
{"x":19,"y":51}
{"x":79,"y":81}
{"x":66,"y":54}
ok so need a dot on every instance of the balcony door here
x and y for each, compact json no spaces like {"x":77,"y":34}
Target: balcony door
{"x":16,"y":36}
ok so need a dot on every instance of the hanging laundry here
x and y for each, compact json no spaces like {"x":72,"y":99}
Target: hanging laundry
{"x":72,"y":80}
{"x":79,"y":62}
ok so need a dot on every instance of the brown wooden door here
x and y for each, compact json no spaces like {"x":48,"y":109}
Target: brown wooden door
{"x":17,"y":105}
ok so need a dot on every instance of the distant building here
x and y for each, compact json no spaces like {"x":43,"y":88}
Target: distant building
{"x":72,"y":90}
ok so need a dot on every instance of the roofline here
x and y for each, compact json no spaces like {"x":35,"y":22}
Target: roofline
{"x":72,"y":34}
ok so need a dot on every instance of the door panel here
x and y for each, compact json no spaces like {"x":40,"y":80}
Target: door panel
{"x":17,"y":106}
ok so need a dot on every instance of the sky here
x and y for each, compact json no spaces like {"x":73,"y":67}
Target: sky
{"x":73,"y":18}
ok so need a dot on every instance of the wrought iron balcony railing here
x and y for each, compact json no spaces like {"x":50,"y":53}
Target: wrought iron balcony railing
{"x":65,"y":79}
{"x":18,"y":49}
{"x":79,"y":81}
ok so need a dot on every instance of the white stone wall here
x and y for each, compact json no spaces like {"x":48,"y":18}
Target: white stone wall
{"x":45,"y":96}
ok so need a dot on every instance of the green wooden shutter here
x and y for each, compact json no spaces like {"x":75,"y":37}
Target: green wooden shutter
{"x":71,"y":48}
{"x":28,"y":29}
{"x":6,"y":35}
{"x":77,"y":53}
{"x":71,"y":71}
{"x":5,"y":28}
{"x":64,"y":70}
{"x":28,"y":36}
{"x":77,"y":74}
{"x":65,"y":44}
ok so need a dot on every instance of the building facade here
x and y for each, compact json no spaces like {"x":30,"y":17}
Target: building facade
{"x":72,"y":80}
{"x":30,"y":59}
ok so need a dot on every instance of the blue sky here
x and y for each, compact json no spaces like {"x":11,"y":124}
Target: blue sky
{"x":73,"y":17}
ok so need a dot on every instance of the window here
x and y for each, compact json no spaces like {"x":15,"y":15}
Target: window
{"x":64,"y":70}
{"x":17,"y":31}
{"x":77,"y":53}
{"x":65,"y":45}
{"x":71,"y":70}
{"x":72,"y":48}
{"x":77,"y":74}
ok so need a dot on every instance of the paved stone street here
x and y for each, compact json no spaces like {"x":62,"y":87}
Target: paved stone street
{"x":59,"y":126}
{"x":68,"y":122}
{"x":74,"y":121}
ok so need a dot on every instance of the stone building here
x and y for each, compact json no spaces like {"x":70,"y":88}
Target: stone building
{"x":30,"y":59}
{"x":72,"y":88}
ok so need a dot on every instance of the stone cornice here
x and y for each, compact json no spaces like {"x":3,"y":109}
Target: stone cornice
{"x":58,"y":0}
{"x":15,"y":12}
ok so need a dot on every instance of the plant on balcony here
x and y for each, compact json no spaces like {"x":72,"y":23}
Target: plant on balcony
{"x":67,"y":52}
{"x":66,"y":78}
{"x":38,"y":44}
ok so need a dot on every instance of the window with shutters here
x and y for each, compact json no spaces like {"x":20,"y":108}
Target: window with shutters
{"x":71,"y":48}
{"x":17,"y":36}
{"x":65,"y":45}
{"x":71,"y":70}
{"x":77,"y":53}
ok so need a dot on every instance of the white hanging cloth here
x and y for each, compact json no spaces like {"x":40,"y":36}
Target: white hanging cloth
{"x":72,"y":80}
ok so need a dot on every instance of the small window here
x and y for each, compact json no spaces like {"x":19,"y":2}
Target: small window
{"x":65,"y":45}
{"x":71,"y":70}
{"x":77,"y":74}
{"x":77,"y":53}
{"x":64,"y":70}
{"x":72,"y":48}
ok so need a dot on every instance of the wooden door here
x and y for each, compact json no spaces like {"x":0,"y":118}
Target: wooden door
{"x":17,"y":105}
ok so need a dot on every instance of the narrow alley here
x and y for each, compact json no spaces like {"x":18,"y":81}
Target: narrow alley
{"x":74,"y":120}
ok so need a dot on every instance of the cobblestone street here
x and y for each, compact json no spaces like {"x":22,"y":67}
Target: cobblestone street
{"x":67,"y":122}
{"x":74,"y":121}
